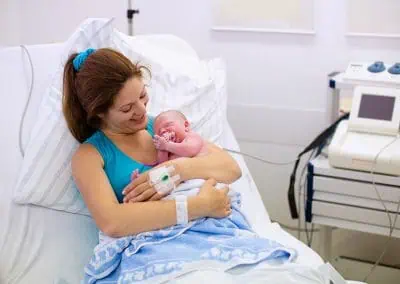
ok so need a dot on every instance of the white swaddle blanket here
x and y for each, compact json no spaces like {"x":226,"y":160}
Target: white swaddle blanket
{"x":192,"y":188}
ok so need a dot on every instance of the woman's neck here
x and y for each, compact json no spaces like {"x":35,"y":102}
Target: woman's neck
{"x":121,"y":136}
{"x":139,"y":145}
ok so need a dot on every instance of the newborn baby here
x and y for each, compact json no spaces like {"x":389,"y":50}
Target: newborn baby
{"x":173,"y":137}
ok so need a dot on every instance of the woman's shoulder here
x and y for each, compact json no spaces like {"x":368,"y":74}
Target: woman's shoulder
{"x":100,"y":143}
{"x":85,"y":155}
{"x":89,"y":148}
{"x":86,"y":150}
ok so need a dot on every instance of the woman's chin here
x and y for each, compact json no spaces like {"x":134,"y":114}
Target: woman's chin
{"x":136,"y":125}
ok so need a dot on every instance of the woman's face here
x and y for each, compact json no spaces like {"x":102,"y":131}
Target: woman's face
{"x":128,"y":113}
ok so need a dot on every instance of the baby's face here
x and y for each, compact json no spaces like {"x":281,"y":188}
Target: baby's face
{"x":171,"y":126}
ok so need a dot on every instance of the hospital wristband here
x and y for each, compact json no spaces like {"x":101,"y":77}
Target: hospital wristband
{"x":182,"y":216}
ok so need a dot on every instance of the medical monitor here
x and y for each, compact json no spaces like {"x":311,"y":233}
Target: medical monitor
{"x":375,"y":110}
{"x":376,"y":107}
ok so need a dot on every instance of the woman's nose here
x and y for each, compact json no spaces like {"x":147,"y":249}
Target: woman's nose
{"x":140,"y":109}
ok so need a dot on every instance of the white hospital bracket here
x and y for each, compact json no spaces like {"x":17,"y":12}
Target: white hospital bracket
{"x":162,"y":180}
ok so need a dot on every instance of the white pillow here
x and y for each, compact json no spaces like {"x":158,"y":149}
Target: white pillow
{"x":183,"y":82}
{"x":45,"y":177}
{"x":204,"y":105}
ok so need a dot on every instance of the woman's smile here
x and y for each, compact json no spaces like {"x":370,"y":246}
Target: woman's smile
{"x":140,"y":119}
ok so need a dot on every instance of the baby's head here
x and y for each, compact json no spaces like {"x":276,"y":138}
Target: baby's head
{"x":172,"y":124}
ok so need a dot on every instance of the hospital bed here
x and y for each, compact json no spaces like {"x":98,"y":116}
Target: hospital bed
{"x":41,"y":245}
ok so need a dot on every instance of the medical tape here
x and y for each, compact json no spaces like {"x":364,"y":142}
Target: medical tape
{"x":166,"y":186}
{"x":182,"y":217}
{"x":161,"y":179}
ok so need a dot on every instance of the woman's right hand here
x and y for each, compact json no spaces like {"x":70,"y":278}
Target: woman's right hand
{"x":216,"y":202}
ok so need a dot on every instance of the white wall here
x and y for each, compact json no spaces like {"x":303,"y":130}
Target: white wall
{"x":9,"y":22}
{"x":47,"y":21}
{"x":272,"y":69}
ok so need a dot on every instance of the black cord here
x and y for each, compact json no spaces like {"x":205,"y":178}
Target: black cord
{"x":319,"y":140}
{"x":301,"y":189}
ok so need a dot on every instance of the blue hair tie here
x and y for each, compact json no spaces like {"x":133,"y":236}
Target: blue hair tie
{"x":81,"y":57}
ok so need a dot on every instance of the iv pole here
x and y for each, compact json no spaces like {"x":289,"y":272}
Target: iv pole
{"x":130,"y":13}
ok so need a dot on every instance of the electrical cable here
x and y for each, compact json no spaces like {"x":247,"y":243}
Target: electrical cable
{"x":298,"y":229}
{"x":309,"y":238}
{"x":303,"y":187}
{"x":300,"y":189}
{"x":386,"y":245}
{"x":33,"y":84}
{"x":21,"y":124}
{"x":391,"y":224}
{"x":317,"y":142}
{"x":260,"y":159}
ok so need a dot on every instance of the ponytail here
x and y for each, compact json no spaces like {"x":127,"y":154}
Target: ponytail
{"x":75,"y":115}
{"x":90,"y":92}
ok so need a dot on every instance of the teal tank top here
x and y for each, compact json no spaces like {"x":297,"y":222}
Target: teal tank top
{"x":117,"y":165}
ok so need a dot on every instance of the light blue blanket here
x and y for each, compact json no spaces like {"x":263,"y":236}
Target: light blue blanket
{"x":206,"y":243}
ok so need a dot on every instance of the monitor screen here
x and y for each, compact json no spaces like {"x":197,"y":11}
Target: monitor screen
{"x":376,"y":107}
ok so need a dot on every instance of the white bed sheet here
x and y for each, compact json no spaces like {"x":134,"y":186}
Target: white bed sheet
{"x":257,"y":214}
{"x":39,"y":245}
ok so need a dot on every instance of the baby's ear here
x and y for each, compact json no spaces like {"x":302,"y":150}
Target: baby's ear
{"x":187,"y":125}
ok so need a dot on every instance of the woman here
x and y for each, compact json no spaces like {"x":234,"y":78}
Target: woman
{"x":104,"y":103}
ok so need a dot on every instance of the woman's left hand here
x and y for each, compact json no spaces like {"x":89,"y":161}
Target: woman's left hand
{"x":140,"y":189}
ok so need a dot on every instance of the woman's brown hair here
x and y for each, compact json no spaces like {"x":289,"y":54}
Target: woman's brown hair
{"x":92,"y":89}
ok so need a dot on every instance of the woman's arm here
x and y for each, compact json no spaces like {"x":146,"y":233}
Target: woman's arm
{"x":217,"y":164}
{"x":113,"y":218}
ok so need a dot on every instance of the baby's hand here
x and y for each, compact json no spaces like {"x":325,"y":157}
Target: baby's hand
{"x":169,"y":136}
{"x":160,"y":143}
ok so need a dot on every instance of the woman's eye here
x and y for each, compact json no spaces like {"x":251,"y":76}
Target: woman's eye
{"x":126,"y":110}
